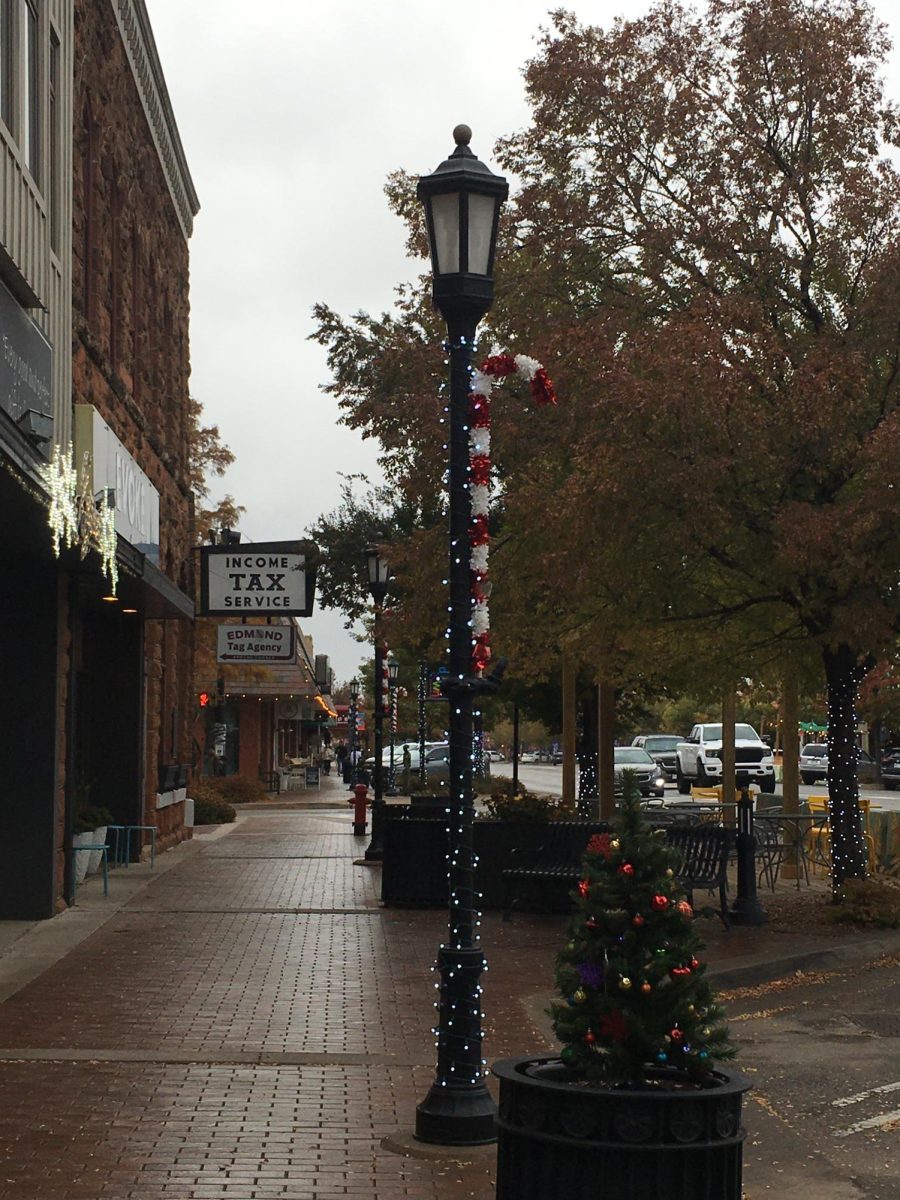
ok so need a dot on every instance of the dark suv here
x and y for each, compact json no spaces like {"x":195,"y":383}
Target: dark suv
{"x":661,"y":747}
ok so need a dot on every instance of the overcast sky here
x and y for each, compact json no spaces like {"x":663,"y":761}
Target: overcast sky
{"x":292,"y":115}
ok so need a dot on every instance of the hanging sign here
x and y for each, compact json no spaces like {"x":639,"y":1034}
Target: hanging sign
{"x":255,"y":643}
{"x":257,"y":579}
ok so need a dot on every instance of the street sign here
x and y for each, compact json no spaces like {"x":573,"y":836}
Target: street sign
{"x":261,"y":578}
{"x":255,"y":643}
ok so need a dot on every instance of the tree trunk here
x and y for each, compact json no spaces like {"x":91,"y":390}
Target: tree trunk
{"x":587,"y":755}
{"x":606,"y":740}
{"x":729,"y":758}
{"x":849,"y":859}
{"x":568,"y":739}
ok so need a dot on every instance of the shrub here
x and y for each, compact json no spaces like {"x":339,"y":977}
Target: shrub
{"x":89,"y":819}
{"x":235,"y":789}
{"x":873,"y":902}
{"x":212,"y":811}
{"x":527,"y":806}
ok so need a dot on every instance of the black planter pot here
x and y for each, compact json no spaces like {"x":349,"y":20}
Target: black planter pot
{"x":558,"y":1136}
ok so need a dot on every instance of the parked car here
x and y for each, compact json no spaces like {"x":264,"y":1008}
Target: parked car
{"x":890,"y":770}
{"x":528,"y":756}
{"x":495,"y":756}
{"x":814,"y":764}
{"x":661,"y":748}
{"x":649,"y":776}
{"x":369,"y":763}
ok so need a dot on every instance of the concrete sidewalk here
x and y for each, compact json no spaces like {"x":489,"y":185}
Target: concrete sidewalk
{"x":247,"y":1022}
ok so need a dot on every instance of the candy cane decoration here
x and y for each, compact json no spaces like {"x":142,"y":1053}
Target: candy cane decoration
{"x":492,"y":370}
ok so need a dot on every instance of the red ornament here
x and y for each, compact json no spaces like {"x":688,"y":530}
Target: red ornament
{"x":637,"y":920}
{"x":676,"y":1034}
{"x":626,"y":869}
{"x":680,"y":972}
{"x":695,"y":963}
{"x":590,"y":1037}
{"x":659,"y":903}
{"x":684,"y":909}
{"x":583,"y":887}
{"x":591,"y":923}
{"x":612,"y":1025}
{"x":600,"y":844}
{"x":481,"y":652}
{"x":542,"y":389}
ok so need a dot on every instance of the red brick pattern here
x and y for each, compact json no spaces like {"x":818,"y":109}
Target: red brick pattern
{"x":251,"y":1025}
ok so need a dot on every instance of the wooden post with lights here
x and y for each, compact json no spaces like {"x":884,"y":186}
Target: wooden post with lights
{"x":462,"y":202}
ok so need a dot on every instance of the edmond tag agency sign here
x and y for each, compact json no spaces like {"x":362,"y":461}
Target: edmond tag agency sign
{"x":255,"y":643}
{"x":259,"y":578}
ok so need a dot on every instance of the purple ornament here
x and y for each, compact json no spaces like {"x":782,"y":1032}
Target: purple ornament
{"x":591,"y":974}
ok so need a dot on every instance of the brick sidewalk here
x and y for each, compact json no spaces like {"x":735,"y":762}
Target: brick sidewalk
{"x":250,"y":1025}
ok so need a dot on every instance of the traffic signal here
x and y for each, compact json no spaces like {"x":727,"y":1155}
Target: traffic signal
{"x":204,"y":699}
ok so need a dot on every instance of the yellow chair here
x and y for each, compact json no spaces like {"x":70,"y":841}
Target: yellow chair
{"x":820,"y":835}
{"x":713,"y":794}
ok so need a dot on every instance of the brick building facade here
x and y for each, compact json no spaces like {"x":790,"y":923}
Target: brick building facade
{"x":96,"y":704}
{"x":133,"y":207}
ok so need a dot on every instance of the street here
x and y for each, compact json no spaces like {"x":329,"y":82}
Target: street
{"x":821,"y":1050}
{"x":246,"y":1021}
{"x":541,"y":777}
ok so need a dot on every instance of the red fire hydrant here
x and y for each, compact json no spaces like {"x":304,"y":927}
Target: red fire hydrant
{"x":359,"y":802}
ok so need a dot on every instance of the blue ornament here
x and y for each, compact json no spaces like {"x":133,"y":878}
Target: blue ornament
{"x":662,"y":1057}
{"x":704,"y":1054}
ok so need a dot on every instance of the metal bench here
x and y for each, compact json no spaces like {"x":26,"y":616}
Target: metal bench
{"x":704,"y":861}
{"x":553,"y":866}
{"x":556,"y":865}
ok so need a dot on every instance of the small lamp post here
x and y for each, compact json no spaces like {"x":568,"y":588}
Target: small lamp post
{"x":351,"y":731}
{"x":462,"y":202}
{"x":393,"y":673}
{"x":379,"y":578}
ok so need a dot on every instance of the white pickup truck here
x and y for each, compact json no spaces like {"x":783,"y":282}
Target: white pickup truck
{"x":699,"y":758}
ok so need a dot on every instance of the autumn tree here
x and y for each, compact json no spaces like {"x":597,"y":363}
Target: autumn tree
{"x":710,"y":199}
{"x":209,"y":456}
{"x":704,"y":250}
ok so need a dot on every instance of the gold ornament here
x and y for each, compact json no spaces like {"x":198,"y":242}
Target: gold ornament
{"x":580,"y":996}
{"x":615,"y":843}
{"x":669,"y":872}
{"x":624,"y":983}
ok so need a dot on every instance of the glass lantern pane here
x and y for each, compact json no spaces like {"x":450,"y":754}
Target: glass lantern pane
{"x":481,"y":226}
{"x":445,"y":214}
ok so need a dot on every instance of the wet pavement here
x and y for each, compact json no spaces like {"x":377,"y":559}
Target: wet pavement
{"x":250,"y":1023}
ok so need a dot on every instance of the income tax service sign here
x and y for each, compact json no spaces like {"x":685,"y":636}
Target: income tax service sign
{"x":258,"y":579}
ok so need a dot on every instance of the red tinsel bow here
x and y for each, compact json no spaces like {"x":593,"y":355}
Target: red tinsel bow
{"x":612,"y":1025}
{"x":479,"y":535}
{"x":542,"y":388}
{"x":479,"y":411}
{"x":600,"y":844}
{"x":481,"y":652}
{"x":499,"y":365}
{"x":480,"y":469}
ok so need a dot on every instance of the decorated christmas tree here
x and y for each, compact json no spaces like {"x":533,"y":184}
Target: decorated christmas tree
{"x":635,"y":996}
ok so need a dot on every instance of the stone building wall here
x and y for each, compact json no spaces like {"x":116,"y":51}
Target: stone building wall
{"x":130,"y":342}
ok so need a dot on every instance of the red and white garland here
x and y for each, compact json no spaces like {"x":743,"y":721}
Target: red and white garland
{"x":492,"y":370}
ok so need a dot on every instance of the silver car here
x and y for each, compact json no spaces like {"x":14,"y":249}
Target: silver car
{"x":649,"y":776}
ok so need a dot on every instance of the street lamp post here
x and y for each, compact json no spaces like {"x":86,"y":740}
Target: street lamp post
{"x":351,"y":731}
{"x":462,"y":202}
{"x":379,"y":577}
{"x":393,"y":673}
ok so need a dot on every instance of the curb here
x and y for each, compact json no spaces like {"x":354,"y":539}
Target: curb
{"x":768,"y":970}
